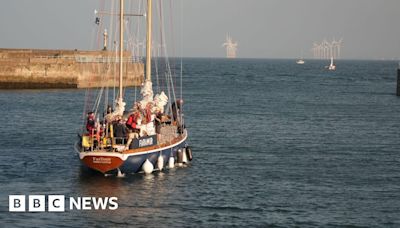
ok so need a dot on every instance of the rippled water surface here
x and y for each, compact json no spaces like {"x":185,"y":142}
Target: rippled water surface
{"x":274,"y":143}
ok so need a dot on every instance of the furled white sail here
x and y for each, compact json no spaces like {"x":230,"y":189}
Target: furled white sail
{"x":160,"y":100}
{"x":147,"y":93}
{"x":119,"y":111}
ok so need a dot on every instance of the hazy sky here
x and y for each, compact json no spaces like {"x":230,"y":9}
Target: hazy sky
{"x":264,"y":28}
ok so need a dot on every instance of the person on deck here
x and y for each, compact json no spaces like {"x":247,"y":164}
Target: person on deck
{"x":176,"y":109}
{"x":119,"y":130}
{"x":109,"y":109}
{"x":177,"y":114}
{"x":91,"y":123}
{"x":133,"y":127}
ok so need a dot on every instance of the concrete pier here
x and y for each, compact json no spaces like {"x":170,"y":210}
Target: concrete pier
{"x":38,"y":69}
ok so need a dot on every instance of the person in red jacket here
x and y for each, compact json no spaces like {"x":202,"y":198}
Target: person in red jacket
{"x":131,"y":123}
{"x":133,"y":128}
{"x":91,"y":123}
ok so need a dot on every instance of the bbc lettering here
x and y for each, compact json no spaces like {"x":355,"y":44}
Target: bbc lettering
{"x":56,"y":203}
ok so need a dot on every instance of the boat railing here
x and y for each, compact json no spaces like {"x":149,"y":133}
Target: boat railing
{"x":94,"y":143}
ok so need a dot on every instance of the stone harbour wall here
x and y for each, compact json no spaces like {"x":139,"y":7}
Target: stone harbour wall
{"x":40,"y":69}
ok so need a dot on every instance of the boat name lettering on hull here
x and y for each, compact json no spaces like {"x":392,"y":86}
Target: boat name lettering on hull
{"x":146,"y":142}
{"x":101,"y":160}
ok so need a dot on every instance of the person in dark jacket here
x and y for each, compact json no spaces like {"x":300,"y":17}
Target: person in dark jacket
{"x":109,"y":109}
{"x":177,"y":114}
{"x":119,"y":131}
{"x":176,"y":109}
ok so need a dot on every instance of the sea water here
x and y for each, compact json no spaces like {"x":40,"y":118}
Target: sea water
{"x":274,"y":144}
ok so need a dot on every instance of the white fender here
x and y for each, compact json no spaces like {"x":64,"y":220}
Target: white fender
{"x":147,"y":167}
{"x":171,"y":163}
{"x":160,"y":162}
{"x":184,"y":159}
{"x":179,"y":161}
{"x":120,"y":174}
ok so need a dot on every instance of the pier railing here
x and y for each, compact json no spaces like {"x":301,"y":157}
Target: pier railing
{"x":78,"y":59}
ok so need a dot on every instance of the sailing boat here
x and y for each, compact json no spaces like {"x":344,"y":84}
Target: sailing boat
{"x":332,"y":66}
{"x":156,"y":137}
{"x":301,"y":61}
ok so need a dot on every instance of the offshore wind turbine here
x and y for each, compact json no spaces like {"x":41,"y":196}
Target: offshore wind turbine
{"x":339,"y":46}
{"x":231,"y":47}
{"x":315,"y":50}
{"x":334,"y":48}
{"x":326,"y":50}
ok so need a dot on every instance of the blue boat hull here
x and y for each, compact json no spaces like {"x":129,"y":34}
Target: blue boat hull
{"x":133,"y":163}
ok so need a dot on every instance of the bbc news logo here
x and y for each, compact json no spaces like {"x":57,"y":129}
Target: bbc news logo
{"x":58,"y":203}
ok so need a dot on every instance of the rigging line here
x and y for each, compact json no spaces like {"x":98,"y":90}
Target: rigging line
{"x":82,"y":66}
{"x":181,"y":46}
{"x":98,"y":101}
{"x":102,"y":7}
{"x":170,"y":85}
{"x":156,"y":62}
{"x":105,"y":73}
{"x":168,"y":66}
{"x":115,"y":73}
{"x":84,"y":112}
{"x":137,"y":43}
{"x":138,"y":32}
{"x":169,"y":101}
{"x":88,"y":92}
{"x":181,"y":66}
{"x":110,"y":59}
{"x":100,"y":67}
{"x":116,"y":46}
{"x":173,"y":48}
{"x":92,"y":92}
{"x":134,"y":40}
{"x":102,"y":88}
{"x":98,"y":42}
{"x":130,"y":41}
{"x":135,"y":98}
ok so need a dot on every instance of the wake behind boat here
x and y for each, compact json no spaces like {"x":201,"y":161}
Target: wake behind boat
{"x":151,"y":135}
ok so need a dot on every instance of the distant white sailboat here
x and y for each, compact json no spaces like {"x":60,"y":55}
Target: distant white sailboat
{"x":301,"y":60}
{"x":332,"y":66}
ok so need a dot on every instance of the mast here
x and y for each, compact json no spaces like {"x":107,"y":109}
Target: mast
{"x":148,"y":40}
{"x":121,"y":44}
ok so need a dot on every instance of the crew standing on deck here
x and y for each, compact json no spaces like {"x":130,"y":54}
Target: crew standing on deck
{"x":91,"y":123}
